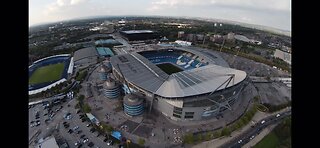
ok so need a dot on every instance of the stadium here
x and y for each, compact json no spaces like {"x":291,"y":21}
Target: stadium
{"x":181,"y":83}
{"x":49,"y":72}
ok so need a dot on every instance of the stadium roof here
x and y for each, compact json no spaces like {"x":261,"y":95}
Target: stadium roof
{"x":146,"y":75}
{"x":137,"y":31}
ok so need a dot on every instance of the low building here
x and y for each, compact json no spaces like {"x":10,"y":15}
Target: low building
{"x":93,"y":119}
{"x":139,"y":35}
{"x":183,"y":43}
{"x":49,"y":142}
{"x":85,"y":57}
{"x":285,"y":56}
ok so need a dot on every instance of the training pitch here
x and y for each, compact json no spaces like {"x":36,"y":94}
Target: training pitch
{"x":47,"y":73}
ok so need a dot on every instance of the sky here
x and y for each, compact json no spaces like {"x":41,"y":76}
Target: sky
{"x":271,"y":13}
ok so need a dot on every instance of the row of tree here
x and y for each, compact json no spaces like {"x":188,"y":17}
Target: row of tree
{"x":191,"y":138}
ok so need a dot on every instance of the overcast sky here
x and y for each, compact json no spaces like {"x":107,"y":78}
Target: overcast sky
{"x":272,"y":13}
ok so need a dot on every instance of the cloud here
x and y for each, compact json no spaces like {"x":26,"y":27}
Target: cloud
{"x":282,"y":5}
{"x":60,"y":5}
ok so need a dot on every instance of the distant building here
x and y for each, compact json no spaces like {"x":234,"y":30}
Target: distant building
{"x":200,"y":37}
{"x":183,"y":43}
{"x":283,"y":55}
{"x":191,"y":37}
{"x":107,"y":27}
{"x":121,"y":22}
{"x":230,"y":36}
{"x":180,"y":34}
{"x":139,"y":35}
{"x":242,"y":38}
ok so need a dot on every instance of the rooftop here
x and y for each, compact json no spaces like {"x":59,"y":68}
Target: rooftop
{"x":48,"y":143}
{"x":242,"y":38}
{"x":137,"y":31}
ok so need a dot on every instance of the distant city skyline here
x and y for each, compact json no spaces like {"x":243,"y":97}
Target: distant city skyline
{"x":270,"y":13}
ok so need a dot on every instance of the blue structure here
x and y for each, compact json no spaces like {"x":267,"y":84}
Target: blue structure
{"x":111,"y":89}
{"x":116,"y":134}
{"x":178,"y":58}
{"x":133,"y":104}
{"x":104,"y":51}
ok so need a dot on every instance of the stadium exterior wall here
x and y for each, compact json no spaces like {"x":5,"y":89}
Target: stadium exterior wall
{"x":171,"y":106}
{"x":60,"y":55}
{"x":47,"y":87}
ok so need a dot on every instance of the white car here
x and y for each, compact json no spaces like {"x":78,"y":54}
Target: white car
{"x":278,"y":115}
{"x":239,"y":141}
{"x":85,"y":140}
{"x":263,"y":121}
{"x":251,"y":137}
{"x":75,"y":128}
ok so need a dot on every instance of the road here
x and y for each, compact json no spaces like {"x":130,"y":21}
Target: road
{"x":252,"y":132}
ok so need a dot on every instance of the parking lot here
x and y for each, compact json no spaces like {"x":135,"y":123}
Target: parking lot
{"x":70,"y":128}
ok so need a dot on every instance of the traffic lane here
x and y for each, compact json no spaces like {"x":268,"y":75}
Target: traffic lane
{"x":245,"y":137}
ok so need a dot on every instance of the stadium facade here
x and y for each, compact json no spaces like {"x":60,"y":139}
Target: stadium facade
{"x":204,"y":88}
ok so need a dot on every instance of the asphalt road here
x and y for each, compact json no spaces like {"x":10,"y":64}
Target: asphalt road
{"x":246,"y":136}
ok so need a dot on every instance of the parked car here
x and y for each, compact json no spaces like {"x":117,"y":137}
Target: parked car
{"x":75,"y":128}
{"x":82,"y":136}
{"x":109,"y":142}
{"x":91,"y":144}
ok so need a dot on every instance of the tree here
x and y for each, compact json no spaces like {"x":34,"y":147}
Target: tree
{"x":208,"y":136}
{"x":188,"y":138}
{"x":109,"y":129}
{"x":86,"y":108}
{"x":199,"y":138}
{"x":216,"y":134}
{"x":225,"y":131}
{"x":141,"y":141}
{"x":81,"y":98}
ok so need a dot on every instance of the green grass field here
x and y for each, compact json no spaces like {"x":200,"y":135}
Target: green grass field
{"x":269,"y":141}
{"x":169,"y":68}
{"x":47,"y":73}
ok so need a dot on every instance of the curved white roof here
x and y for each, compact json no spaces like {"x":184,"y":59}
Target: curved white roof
{"x":199,"y":81}
{"x":242,"y":38}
